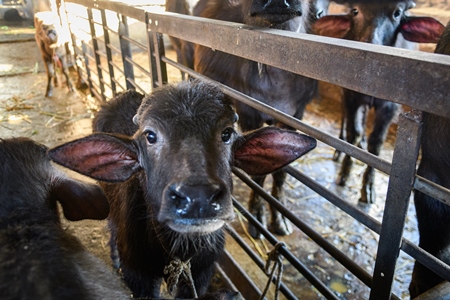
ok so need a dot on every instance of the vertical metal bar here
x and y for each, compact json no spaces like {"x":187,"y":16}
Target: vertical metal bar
{"x":397,"y":199}
{"x":108,"y":52}
{"x":151,"y":54}
{"x":159,"y":52}
{"x":96,"y":55}
{"x":88,"y":70}
{"x":125,"y":48}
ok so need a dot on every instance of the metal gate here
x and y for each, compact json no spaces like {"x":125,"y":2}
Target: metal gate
{"x":105,"y":57}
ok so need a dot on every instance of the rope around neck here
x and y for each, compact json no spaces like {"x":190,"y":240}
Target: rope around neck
{"x":178,"y":268}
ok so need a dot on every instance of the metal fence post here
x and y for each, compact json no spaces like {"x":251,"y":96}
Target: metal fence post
{"x":125,"y":48}
{"x":108,"y":52}
{"x":159,"y":52}
{"x":397,"y":200}
{"x":158,"y":68}
{"x":151,"y":58}
{"x":96,"y":54}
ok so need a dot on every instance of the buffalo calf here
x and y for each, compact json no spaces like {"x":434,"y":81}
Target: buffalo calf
{"x":38,"y":258}
{"x":53,"y":49}
{"x":170,"y":183}
{"x":376,"y":22}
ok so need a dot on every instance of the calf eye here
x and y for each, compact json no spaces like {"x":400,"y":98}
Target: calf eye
{"x":150,"y":136}
{"x":226,"y":135}
{"x":319,"y":14}
{"x":397,"y":13}
{"x":354,"y":11}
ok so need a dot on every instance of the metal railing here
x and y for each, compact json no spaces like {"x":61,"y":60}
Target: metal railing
{"x":379,"y":71}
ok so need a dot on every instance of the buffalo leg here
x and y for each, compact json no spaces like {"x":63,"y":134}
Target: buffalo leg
{"x":385,"y":112}
{"x":342,"y":136}
{"x":355,"y":115}
{"x":279,"y":224}
{"x":257,"y":208}
{"x":65,"y":71}
{"x":50,"y":76}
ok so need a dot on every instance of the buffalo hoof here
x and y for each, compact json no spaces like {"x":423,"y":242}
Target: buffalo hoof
{"x":341,"y":180}
{"x":336,"y":155}
{"x":259,"y":214}
{"x":281,"y":226}
{"x":345,"y":170}
{"x":368,"y":194}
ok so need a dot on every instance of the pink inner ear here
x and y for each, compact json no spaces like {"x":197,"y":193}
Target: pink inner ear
{"x":269,"y":149}
{"x":335,"y":26}
{"x":422,"y":30}
{"x":100,"y":156}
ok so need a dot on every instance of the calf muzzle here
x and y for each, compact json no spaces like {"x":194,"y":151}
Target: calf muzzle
{"x":200,"y":208}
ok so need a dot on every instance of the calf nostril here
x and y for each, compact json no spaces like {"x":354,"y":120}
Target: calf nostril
{"x":276,"y":4}
{"x":178,"y":198}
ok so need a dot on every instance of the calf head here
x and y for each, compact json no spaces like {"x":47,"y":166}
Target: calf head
{"x":46,"y":27}
{"x":28,"y":180}
{"x":184,"y":150}
{"x":379,"y":22}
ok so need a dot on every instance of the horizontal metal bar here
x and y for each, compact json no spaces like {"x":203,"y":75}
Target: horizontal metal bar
{"x":101,"y":53}
{"x":99,"y":23}
{"x":84,"y":31}
{"x":106,"y":83}
{"x":425,"y":258}
{"x":136,"y":86}
{"x":361,"y":66}
{"x":138,"y":66}
{"x":90,"y":57}
{"x":99,"y":39}
{"x":118,"y":84}
{"x":134,"y":42}
{"x":131,"y":11}
{"x":110,"y":30}
{"x":117,"y":68}
{"x":313,"y":279}
{"x":94,"y":83}
{"x":432,"y":189}
{"x":112,"y":47}
{"x":104,"y":69}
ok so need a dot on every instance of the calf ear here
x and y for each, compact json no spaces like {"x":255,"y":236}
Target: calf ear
{"x":101,"y":156}
{"x":422,"y":29}
{"x":81,"y":200}
{"x":268,"y":149}
{"x":335,"y":26}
